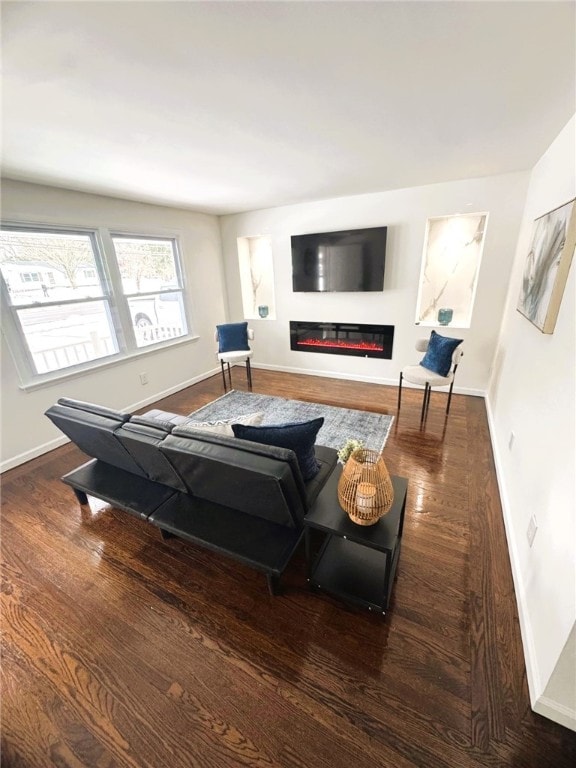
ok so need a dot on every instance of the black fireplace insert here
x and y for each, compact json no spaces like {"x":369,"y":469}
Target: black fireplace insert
{"x":342,"y":339}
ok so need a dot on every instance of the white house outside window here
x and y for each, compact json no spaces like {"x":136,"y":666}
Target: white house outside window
{"x":68,"y":302}
{"x":152,"y":285}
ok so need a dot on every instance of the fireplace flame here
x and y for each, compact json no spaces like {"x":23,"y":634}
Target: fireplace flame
{"x":369,"y":346}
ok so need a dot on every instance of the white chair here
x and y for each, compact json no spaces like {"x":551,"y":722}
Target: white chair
{"x":417,"y":374}
{"x":228,"y":355}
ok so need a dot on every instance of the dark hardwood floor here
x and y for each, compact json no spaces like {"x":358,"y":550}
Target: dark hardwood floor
{"x":120,"y":649}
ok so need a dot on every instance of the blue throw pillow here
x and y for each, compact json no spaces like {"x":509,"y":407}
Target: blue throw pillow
{"x":233,"y":337}
{"x":299,"y":437}
{"x":438,"y":357}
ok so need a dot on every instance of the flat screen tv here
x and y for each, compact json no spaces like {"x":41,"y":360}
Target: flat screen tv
{"x":351,"y":260}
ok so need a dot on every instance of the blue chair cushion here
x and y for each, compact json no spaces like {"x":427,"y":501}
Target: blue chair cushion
{"x":438,"y":357}
{"x":233,"y":337}
{"x":299,"y":437}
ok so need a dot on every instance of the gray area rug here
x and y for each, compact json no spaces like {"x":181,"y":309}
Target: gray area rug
{"x":340,"y":424}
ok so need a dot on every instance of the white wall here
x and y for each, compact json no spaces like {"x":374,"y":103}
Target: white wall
{"x":405,"y":213}
{"x":532,"y":393}
{"x":25,"y":431}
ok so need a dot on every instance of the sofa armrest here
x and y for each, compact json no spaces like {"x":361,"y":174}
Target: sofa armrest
{"x":327,"y":458}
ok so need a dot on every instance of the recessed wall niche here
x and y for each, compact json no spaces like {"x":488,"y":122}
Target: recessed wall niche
{"x":257,"y":277}
{"x":451,"y":259}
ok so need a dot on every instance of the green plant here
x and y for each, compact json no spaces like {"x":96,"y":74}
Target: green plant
{"x":348,"y":448}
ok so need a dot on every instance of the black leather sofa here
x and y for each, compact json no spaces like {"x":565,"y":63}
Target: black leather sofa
{"x":240,"y":498}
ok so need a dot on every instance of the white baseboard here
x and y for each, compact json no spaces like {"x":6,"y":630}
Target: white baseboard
{"x":33,"y":453}
{"x":170,"y":391}
{"x":356,"y":377}
{"x":557,"y":712}
{"x":39,"y":450}
{"x":541,"y":704}
{"x":535,"y":686}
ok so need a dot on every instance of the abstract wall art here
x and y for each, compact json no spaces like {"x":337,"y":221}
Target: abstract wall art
{"x":547,"y":266}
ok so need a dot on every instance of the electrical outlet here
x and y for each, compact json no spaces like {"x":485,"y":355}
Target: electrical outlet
{"x":511,"y":440}
{"x":531,"y":532}
{"x":143,"y":378}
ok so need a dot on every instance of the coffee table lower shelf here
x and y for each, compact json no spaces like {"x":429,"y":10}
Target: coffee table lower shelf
{"x":354,"y":573}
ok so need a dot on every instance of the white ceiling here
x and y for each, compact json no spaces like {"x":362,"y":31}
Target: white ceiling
{"x":225,"y":107}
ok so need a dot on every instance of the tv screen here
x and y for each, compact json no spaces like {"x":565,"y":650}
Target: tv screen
{"x":352,"y":260}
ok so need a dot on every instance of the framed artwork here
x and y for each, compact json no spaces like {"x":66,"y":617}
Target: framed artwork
{"x":547,"y":266}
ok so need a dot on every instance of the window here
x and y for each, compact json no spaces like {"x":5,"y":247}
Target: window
{"x":83,"y":303}
{"x":151,"y":284}
{"x":29,"y":277}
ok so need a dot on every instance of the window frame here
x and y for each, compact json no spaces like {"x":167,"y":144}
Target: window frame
{"x":115,"y":301}
{"x":125,"y":297}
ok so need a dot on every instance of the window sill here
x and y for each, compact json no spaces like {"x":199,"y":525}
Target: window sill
{"x":55,"y":377}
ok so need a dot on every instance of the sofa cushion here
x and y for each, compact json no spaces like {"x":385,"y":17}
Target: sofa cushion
{"x":141,"y":438}
{"x":233,"y":337}
{"x":224,"y":426}
{"x":262,"y":480}
{"x":298,"y":437}
{"x":92,"y":430}
{"x":438,"y":357}
{"x":153,"y":423}
{"x":176,"y":419}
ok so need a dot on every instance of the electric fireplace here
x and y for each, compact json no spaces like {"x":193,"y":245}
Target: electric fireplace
{"x":343,"y":339}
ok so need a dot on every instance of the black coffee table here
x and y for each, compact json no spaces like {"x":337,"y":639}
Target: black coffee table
{"x":356,"y":563}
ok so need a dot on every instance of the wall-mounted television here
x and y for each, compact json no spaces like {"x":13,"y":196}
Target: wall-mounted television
{"x":351,"y":260}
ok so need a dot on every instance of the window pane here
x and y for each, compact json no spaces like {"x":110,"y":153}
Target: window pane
{"x":157,"y":318}
{"x":146,"y":264}
{"x":48,"y":266}
{"x":59,"y":337}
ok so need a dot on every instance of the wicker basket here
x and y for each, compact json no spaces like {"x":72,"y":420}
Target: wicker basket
{"x":365,"y":490}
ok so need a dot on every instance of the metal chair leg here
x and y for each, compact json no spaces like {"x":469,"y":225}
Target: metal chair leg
{"x":428,"y":401}
{"x":229,"y":375}
{"x":400,"y":391}
{"x":449,"y":396}
{"x":451,"y":385}
{"x":249,"y":372}
{"x":424,"y":402}
{"x":223,"y":375}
